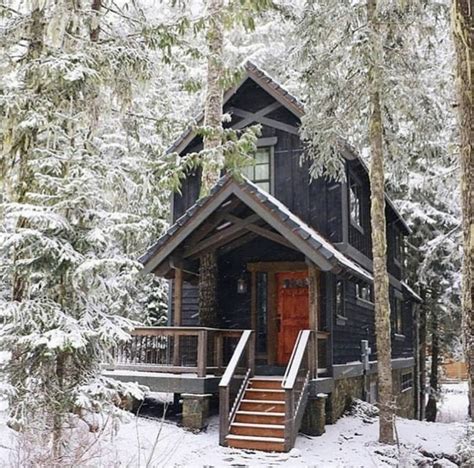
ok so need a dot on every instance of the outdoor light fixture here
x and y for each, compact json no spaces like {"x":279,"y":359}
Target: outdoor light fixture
{"x":241,"y":285}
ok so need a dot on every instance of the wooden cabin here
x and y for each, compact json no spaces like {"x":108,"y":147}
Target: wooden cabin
{"x":295,"y":340}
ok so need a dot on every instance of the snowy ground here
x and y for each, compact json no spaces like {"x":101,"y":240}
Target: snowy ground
{"x":349,"y":443}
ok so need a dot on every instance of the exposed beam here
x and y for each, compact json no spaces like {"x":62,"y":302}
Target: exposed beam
{"x":241,"y":240}
{"x":211,"y":224}
{"x":275,"y":237}
{"x":253,"y":115}
{"x":221,"y":236}
{"x":250,"y":117}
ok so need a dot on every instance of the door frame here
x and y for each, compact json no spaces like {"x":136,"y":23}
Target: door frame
{"x":271,"y":268}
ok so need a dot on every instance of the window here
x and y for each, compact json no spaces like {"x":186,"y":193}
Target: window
{"x":364,"y":292}
{"x":406,"y":381}
{"x":398,"y":246}
{"x":262,"y":308}
{"x":355,"y":203}
{"x":398,"y":317}
{"x":260,"y":172}
{"x":339,"y":299}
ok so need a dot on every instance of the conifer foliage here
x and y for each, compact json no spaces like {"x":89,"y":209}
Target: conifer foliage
{"x":79,"y":195}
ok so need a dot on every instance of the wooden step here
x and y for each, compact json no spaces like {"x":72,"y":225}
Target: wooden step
{"x":267,"y":406}
{"x":267,"y":444}
{"x":264,"y":394}
{"x":259,"y":417}
{"x":263,"y":430}
{"x":265,"y":382}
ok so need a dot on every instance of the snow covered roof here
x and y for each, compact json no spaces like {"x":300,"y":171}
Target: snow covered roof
{"x":303,"y":237}
{"x":291,"y":103}
{"x":410,"y":291}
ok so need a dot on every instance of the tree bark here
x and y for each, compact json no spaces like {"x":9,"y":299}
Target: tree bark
{"x":422,"y":358}
{"x":212,"y":162}
{"x":431,"y":406}
{"x":95,"y":24}
{"x":379,"y":236}
{"x":462,"y":21}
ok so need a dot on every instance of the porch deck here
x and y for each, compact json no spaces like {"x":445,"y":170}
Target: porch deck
{"x":189,"y":360}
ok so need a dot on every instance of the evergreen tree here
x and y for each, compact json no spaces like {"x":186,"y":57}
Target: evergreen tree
{"x":81,"y":197}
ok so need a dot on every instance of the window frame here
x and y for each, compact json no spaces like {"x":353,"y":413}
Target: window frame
{"x":271,"y":168}
{"x":361,"y":301}
{"x":406,"y":381}
{"x":339,"y":307}
{"x":397,"y":246}
{"x":357,"y":195}
{"x":398,"y":322}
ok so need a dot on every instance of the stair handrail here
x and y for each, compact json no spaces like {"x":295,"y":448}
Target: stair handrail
{"x":226,"y":412}
{"x":295,"y":403}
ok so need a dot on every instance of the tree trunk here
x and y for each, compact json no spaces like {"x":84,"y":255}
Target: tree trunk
{"x":422,"y":358}
{"x":379,"y":237}
{"x":462,"y":14}
{"x":431,"y":406}
{"x":212,"y":162}
{"x":208,"y":290}
{"x":95,"y":24}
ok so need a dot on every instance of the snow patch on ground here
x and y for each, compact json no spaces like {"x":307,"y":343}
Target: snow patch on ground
{"x":351,"y":442}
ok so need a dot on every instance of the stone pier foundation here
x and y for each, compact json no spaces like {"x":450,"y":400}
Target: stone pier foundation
{"x":314,"y":418}
{"x":195,"y":410}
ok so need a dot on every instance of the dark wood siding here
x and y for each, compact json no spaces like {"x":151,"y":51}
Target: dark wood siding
{"x":360,"y":239}
{"x":359,"y":325}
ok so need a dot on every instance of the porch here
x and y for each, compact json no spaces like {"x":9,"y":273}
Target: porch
{"x":269,"y":349}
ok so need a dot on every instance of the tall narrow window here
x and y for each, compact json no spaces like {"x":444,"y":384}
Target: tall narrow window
{"x":398,"y":247}
{"x":262,"y":282}
{"x":339,"y":299}
{"x":260,"y":172}
{"x":355,"y":203}
{"x":398,"y":317}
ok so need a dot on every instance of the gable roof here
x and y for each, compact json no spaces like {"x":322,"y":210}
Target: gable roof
{"x":291,"y":103}
{"x":304,"y":238}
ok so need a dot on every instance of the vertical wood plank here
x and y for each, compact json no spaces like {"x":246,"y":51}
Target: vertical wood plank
{"x":177,"y":312}
{"x":313,"y":296}
{"x":253,"y":301}
{"x":202,"y":353}
{"x":272,"y":330}
{"x":224,"y":408}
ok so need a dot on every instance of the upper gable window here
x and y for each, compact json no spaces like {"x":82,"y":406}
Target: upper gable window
{"x":260,"y":172}
{"x":355,"y":203}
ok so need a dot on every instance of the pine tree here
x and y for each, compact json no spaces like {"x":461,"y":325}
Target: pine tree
{"x":379,"y":230}
{"x":462,"y":25}
{"x":79,"y":194}
{"x":372,"y":98}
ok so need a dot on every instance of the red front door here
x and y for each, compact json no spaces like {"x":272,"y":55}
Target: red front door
{"x":292,"y":311}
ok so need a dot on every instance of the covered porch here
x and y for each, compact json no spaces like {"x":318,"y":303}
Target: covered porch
{"x":271,"y":321}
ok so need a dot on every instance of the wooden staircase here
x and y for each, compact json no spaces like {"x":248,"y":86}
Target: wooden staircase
{"x":259,"y":421}
{"x":263,"y":412}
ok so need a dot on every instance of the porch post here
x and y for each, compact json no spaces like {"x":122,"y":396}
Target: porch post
{"x":313,"y":275}
{"x":177,"y":310}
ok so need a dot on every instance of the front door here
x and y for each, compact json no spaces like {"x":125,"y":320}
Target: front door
{"x":292,"y":311}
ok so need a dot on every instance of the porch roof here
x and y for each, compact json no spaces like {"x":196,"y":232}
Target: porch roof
{"x":288,"y":228}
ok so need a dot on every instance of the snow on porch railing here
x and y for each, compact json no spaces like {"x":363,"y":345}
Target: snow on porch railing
{"x":177,"y":350}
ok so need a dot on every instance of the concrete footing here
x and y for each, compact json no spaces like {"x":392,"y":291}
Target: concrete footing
{"x":314,"y":419}
{"x":195,"y":410}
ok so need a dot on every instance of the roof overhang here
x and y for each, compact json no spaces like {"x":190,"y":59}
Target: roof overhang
{"x":277,"y":216}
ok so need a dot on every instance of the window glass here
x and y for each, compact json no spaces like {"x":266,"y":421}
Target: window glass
{"x":339,"y":298}
{"x":355,"y":202}
{"x":262,"y":307}
{"x":406,"y":381}
{"x":364,"y":292}
{"x":398,"y":317}
{"x":260,"y":172}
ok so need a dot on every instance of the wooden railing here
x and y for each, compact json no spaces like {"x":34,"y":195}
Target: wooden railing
{"x":296,"y":381}
{"x":234,"y":381}
{"x":179,"y":350}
